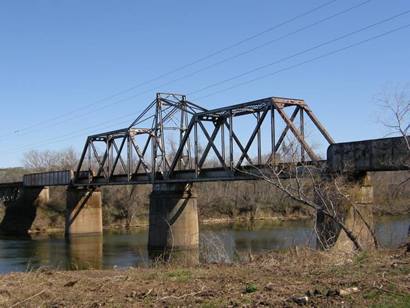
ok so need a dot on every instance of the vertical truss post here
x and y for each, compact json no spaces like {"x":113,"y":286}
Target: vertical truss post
{"x":89,"y":159}
{"x":188,"y":142}
{"x":231,"y":140}
{"x":161,"y":142}
{"x":108,"y":149}
{"x":302,"y":133}
{"x":223,"y":139}
{"x":196,"y":146}
{"x":154,"y":156}
{"x":181,"y":134}
{"x":129,"y":156}
{"x":259,"y":139}
{"x":273,"y":133}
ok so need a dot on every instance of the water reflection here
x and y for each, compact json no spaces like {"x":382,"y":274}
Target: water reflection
{"x":221,"y":243}
{"x":84,"y":252}
{"x":392,"y":231}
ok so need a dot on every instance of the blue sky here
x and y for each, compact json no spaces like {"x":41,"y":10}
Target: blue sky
{"x":58,"y":57}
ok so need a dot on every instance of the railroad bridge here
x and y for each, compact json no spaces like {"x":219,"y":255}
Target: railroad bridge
{"x":174,"y":143}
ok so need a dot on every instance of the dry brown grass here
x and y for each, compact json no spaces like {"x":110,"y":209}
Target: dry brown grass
{"x":275,"y":279}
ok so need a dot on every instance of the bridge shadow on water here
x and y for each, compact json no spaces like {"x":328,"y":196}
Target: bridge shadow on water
{"x":218,"y":243}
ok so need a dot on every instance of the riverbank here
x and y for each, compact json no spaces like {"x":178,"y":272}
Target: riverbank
{"x":275,"y":279}
{"x":240,"y":221}
{"x":143,"y":223}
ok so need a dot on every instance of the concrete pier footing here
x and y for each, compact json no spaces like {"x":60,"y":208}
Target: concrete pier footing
{"x":20,"y":213}
{"x":84,"y":212}
{"x":357,"y":216}
{"x":173,"y":219}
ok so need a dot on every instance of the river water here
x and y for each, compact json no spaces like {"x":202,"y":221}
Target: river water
{"x":218,"y":243}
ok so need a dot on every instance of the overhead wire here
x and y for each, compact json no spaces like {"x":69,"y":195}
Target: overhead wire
{"x":180,"y":68}
{"x":344,"y":11}
{"x":328,"y":42}
{"x":323,"y":55}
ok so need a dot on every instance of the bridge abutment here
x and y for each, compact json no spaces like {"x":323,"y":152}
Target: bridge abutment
{"x":20,"y":213}
{"x":173,"y":221}
{"x":356,"y":213}
{"x":84,"y":212}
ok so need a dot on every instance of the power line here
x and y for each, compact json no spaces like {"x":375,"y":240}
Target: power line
{"x":267,"y":43}
{"x":344,"y":11}
{"x":75,"y":134}
{"x":327,"y":54}
{"x":199,"y":60}
{"x":321,"y":56}
{"x":300,"y":52}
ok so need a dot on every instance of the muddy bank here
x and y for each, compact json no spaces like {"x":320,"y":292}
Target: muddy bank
{"x":285,"y":279}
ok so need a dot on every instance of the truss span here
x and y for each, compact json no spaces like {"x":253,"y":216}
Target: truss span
{"x":174,"y":139}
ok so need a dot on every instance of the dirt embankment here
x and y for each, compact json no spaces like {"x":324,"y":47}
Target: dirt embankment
{"x":292,"y":278}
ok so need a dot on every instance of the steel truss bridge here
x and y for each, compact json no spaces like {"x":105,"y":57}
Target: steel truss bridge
{"x":175,"y":140}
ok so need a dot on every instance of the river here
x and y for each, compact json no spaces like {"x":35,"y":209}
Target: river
{"x":218,"y":243}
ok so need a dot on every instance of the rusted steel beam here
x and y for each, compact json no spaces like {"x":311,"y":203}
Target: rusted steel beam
{"x":319,"y":126}
{"x":297,"y":134}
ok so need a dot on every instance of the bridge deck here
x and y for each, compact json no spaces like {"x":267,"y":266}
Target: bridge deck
{"x":66,"y":178}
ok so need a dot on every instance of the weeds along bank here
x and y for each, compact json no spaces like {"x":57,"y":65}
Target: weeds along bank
{"x":288,"y":279}
{"x":218,"y":201}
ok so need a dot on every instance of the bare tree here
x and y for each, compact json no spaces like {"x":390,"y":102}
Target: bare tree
{"x":397,"y":119}
{"x":50,"y":160}
{"x":395,"y":104}
{"x":328,"y":195}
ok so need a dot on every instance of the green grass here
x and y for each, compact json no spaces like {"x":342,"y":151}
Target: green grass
{"x":390,"y":297}
{"x":251,"y":288}
{"x":180,"y":275}
{"x":361,"y":258}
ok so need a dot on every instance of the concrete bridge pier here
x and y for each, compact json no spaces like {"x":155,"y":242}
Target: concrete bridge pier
{"x":84,"y":211}
{"x":20,"y":213}
{"x":357,"y":215}
{"x":173,"y":223}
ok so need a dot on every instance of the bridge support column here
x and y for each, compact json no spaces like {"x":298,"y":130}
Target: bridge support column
{"x":84,"y":212}
{"x":357,"y":217}
{"x":173,"y":221}
{"x":20,"y":213}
